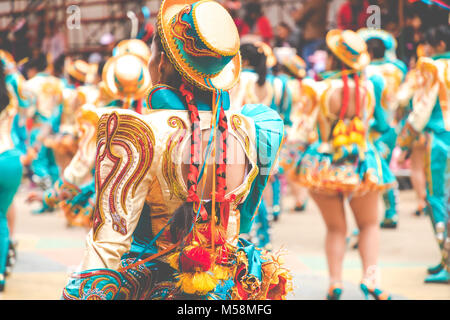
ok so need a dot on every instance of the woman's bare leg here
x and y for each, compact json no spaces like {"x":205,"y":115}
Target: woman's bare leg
{"x":365,"y":210}
{"x":333,"y":213}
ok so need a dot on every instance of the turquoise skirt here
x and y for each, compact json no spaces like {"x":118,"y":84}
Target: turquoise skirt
{"x":351,"y":170}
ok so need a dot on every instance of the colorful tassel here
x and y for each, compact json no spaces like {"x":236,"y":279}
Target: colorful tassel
{"x":196,"y":282}
{"x":195,"y":258}
{"x":222,"y":273}
{"x":173,"y":260}
{"x":340,"y":137}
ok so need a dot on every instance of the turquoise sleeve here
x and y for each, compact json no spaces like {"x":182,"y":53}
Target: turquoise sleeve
{"x":269,"y":135}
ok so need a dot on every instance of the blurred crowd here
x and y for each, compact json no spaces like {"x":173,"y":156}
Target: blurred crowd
{"x":405,"y":20}
{"x":310,"y":21}
{"x":46,"y":37}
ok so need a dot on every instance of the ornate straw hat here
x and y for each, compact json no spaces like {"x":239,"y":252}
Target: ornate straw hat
{"x":289,"y":59}
{"x":79,"y":69}
{"x":202,"y":42}
{"x":268,"y":52}
{"x":126,"y":76}
{"x":388,"y":40}
{"x":133,"y":46}
{"x":348,"y":46}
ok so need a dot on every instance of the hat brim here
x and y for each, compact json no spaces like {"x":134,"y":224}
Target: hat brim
{"x":332,"y":40}
{"x":225,"y":80}
{"x":388,"y":39}
{"x":123,"y":46}
{"x":113,"y":90}
{"x":75,"y":73}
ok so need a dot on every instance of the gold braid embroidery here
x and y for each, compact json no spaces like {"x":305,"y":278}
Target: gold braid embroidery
{"x":168,"y":167}
{"x":125,"y":132}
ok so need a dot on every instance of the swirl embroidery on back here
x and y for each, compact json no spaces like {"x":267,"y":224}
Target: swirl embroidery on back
{"x":126,"y":142}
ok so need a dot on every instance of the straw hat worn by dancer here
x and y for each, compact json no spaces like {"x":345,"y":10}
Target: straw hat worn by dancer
{"x":430,"y":116}
{"x":382,"y":47}
{"x":343,"y":162}
{"x":74,"y":192}
{"x":154,"y":235}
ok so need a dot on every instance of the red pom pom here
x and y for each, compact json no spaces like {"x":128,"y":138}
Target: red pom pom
{"x":195,"y":258}
{"x":205,"y":231}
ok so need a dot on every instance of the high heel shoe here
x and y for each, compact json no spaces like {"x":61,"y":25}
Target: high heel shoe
{"x":435,"y":269}
{"x":334,"y":292}
{"x":443,"y":276}
{"x":376,"y":293}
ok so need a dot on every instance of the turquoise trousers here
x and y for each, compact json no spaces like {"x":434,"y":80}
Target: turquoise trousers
{"x":437,"y":171}
{"x":10,"y":178}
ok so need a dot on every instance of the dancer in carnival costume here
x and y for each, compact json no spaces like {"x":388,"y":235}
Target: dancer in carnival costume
{"x":11,"y":166}
{"x":47,"y":105}
{"x":381,"y":47}
{"x":431,"y":115}
{"x":301,"y":117}
{"x":167,"y":223}
{"x":125,"y":76}
{"x":417,"y":164}
{"x":343,"y":164}
{"x":57,"y":142}
{"x":19,"y":97}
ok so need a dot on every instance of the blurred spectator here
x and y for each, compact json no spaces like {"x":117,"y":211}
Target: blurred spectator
{"x":5,"y":43}
{"x":333,"y":8}
{"x":256,"y":24}
{"x":233,"y":7}
{"x":353,"y":15}
{"x":410,"y":37}
{"x":58,"y":66}
{"x":283,"y":36}
{"x":21,"y":44}
{"x":54,"y":42}
{"x":107,"y":41}
{"x":311,"y":18}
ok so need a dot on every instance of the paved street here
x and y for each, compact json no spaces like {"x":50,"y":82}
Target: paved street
{"x":48,"y":251}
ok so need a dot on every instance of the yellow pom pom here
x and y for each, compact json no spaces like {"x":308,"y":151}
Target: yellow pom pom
{"x":340,"y":140}
{"x":340,"y":129}
{"x":355,"y":137}
{"x":173,"y":260}
{"x":185,"y":282}
{"x":196,"y":283}
{"x":204,"y":282}
{"x":340,"y":134}
{"x":357,"y":125}
{"x":222,"y":273}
